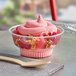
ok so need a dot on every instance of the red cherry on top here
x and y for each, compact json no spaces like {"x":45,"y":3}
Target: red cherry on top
{"x":44,"y":34}
{"x":54,"y":33}
{"x":16,"y":28}
{"x":49,"y":34}
{"x":58,"y":31}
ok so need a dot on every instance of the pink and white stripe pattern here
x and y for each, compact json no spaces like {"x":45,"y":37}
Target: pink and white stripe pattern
{"x":39,"y":53}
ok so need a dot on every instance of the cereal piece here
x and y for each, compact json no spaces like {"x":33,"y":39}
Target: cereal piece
{"x":49,"y":43}
{"x":29,"y":35}
{"x":16,"y":42}
{"x":33,"y":43}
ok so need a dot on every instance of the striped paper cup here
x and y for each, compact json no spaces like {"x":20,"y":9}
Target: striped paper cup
{"x":39,"y":53}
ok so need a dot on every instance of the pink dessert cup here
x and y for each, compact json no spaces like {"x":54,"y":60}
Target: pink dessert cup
{"x":36,"y":47}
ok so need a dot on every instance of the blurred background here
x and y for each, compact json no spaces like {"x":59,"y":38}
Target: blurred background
{"x":13,"y":12}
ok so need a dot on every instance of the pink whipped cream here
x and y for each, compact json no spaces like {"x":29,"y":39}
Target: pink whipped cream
{"x":36,"y":27}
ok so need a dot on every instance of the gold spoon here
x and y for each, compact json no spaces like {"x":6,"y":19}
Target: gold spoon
{"x":36,"y":63}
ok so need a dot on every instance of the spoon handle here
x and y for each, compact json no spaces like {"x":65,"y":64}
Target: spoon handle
{"x":13,"y":60}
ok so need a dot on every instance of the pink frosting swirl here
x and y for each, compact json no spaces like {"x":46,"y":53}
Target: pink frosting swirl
{"x":36,"y":27}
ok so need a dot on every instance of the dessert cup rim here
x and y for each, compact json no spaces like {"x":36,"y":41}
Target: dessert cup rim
{"x":10,"y":31}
